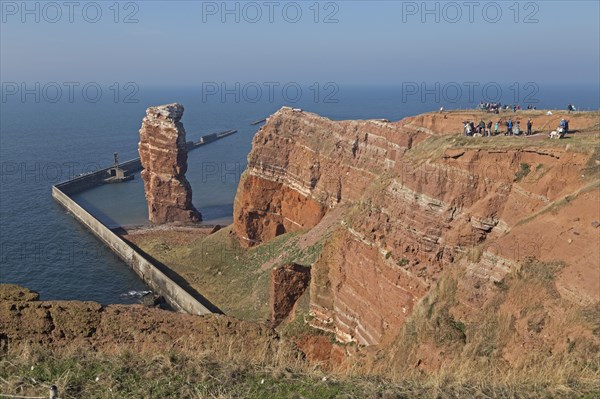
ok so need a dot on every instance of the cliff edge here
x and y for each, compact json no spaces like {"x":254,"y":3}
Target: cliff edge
{"x":418,"y":203}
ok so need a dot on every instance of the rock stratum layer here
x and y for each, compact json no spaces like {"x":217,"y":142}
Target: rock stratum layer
{"x":163,"y":153}
{"x":418,"y":197}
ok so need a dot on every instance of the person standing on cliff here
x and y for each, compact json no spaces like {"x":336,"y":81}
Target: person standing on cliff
{"x":496,"y":128}
{"x":509,"y":126}
{"x":517,"y":131}
{"x":467,"y":128}
{"x":529,"y":126}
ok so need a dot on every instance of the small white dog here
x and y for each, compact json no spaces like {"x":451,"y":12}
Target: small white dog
{"x":558,"y":133}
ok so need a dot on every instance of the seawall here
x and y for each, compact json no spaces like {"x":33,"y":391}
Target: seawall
{"x":176,"y":296}
{"x":93,"y":179}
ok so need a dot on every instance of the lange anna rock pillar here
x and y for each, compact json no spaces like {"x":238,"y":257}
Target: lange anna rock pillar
{"x":163,"y":152}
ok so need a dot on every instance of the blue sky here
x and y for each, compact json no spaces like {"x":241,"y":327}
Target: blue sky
{"x":182,"y":43}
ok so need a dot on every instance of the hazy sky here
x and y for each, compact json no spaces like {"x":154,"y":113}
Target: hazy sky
{"x":372,"y":42}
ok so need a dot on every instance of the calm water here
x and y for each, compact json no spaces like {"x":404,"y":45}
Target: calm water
{"x":45,"y":249}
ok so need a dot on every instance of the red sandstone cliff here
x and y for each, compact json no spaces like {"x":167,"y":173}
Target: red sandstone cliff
{"x":24,"y":320}
{"x":417,"y":198}
{"x":163,"y":152}
{"x":288,"y":283}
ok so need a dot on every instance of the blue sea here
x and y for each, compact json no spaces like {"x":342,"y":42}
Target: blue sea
{"x":43,"y":143}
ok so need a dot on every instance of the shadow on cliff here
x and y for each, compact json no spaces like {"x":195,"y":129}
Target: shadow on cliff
{"x":172,"y":275}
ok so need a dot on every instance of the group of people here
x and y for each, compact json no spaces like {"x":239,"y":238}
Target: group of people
{"x":485,"y":129}
{"x":490,"y":107}
{"x":497,"y":107}
{"x":482,"y":129}
{"x":512,"y":128}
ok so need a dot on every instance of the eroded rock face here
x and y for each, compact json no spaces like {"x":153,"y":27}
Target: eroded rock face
{"x":267,"y":209}
{"x":163,"y":152}
{"x":13,"y":292}
{"x":288,"y":283}
{"x":55,"y":324}
{"x":410,"y":210}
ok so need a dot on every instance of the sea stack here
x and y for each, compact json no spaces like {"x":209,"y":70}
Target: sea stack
{"x":163,"y":152}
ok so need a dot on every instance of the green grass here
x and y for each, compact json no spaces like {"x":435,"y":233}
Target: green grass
{"x":82,"y":374}
{"x":523,"y":171}
{"x":170,"y":375}
{"x":233,"y":278}
{"x":402,"y":262}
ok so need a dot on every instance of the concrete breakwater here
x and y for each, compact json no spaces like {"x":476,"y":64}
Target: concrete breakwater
{"x":93,"y":179}
{"x":176,"y":296}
